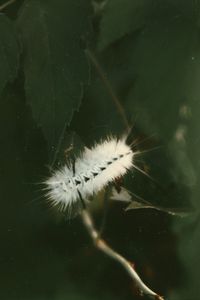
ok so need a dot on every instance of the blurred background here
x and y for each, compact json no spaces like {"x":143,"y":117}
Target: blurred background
{"x":65,"y":67}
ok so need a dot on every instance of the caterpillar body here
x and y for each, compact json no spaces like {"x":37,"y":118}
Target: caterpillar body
{"x":89,"y":173}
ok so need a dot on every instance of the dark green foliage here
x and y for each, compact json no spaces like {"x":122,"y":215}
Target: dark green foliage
{"x":121,"y":17}
{"x":55,"y":95}
{"x":9,"y":52}
{"x":55,"y":66}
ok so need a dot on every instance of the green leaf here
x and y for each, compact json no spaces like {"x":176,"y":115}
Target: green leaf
{"x":9,"y":52}
{"x":189,"y":230}
{"x":162,"y":90}
{"x":55,"y":65}
{"x":188,"y":9}
{"x":121,"y":17}
{"x":135,"y":202}
{"x":162,"y":59}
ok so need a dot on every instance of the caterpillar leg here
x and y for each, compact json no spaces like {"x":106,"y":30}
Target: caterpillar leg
{"x":82,"y":201}
{"x":74,"y":166}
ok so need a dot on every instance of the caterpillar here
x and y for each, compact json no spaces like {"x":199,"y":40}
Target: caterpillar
{"x":94,"y":169}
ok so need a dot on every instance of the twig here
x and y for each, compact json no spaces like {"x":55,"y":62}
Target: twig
{"x":6,"y":4}
{"x":104,"y":247}
{"x":109,"y":88}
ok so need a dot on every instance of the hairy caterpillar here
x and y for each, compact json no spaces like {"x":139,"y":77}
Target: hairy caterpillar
{"x":93,"y":170}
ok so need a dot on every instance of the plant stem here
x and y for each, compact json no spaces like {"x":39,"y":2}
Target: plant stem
{"x":104,"y":247}
{"x":6,"y":4}
{"x":108,"y":87}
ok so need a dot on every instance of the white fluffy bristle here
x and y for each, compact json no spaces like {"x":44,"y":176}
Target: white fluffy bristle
{"x":93,"y":170}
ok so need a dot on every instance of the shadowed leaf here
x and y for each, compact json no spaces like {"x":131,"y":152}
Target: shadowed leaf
{"x":136,"y":202}
{"x":9,"y":52}
{"x":121,"y":17}
{"x":55,"y":65}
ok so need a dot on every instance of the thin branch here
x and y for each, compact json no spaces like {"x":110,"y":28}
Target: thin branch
{"x":104,"y":247}
{"x":6,"y":4}
{"x":109,"y":88}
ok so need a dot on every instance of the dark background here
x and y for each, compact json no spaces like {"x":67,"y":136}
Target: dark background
{"x":51,"y":95}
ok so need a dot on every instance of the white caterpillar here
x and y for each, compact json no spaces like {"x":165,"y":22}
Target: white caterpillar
{"x":91,"y":172}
